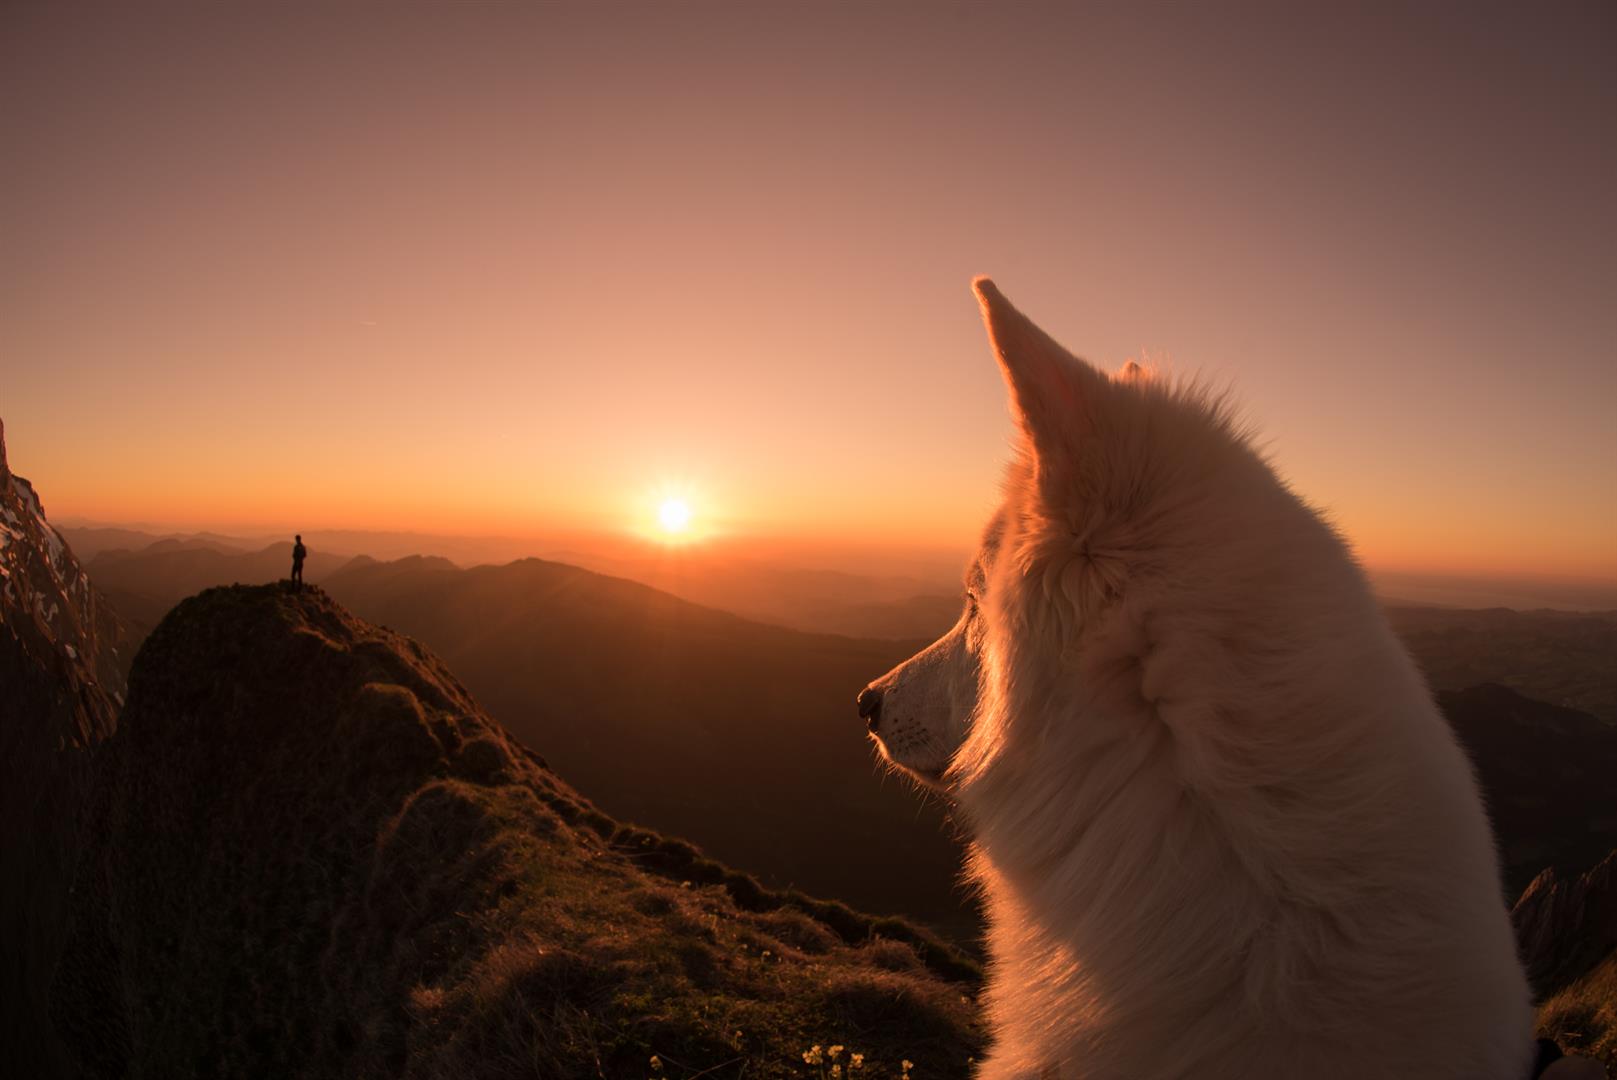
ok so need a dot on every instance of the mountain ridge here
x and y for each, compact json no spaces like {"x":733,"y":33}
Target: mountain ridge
{"x":626,"y":686}
{"x":622,"y":681}
{"x":511,"y":961}
{"x":392,"y":885}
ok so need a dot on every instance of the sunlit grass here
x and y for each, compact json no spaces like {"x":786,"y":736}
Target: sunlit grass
{"x":1582,"y":1018}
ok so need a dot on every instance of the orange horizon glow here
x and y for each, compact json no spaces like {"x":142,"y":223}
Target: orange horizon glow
{"x":1379,"y":546}
{"x":510,"y":272}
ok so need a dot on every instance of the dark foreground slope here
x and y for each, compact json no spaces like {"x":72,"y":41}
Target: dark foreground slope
{"x":59,"y":693}
{"x":318,"y":857}
{"x":738,"y":735}
{"x":1547,"y":775}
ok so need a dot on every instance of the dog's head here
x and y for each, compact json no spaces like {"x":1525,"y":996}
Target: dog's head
{"x":920,"y":710}
{"x":1122,"y":486}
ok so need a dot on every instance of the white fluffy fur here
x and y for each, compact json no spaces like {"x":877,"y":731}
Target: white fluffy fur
{"x":1220,"y":827}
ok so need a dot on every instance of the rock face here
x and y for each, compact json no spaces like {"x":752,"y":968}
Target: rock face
{"x":60,"y":690}
{"x":46,"y":600}
{"x":1566,"y":925}
{"x":316,"y":856}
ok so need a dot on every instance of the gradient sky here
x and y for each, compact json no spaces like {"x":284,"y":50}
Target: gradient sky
{"x":477,"y":269}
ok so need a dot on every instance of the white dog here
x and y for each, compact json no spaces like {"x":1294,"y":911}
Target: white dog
{"x":1220,"y":827}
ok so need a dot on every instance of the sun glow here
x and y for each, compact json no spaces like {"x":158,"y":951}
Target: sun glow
{"x":674,"y":515}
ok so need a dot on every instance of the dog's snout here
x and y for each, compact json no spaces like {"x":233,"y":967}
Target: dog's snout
{"x":870,"y":706}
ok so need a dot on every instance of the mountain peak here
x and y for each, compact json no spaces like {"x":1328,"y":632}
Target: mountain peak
{"x":405,"y":888}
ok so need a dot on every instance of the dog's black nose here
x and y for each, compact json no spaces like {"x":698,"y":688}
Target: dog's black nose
{"x":870,"y":706}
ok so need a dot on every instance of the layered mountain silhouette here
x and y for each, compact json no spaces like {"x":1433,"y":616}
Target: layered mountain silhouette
{"x":61,"y":685}
{"x":755,"y":579}
{"x":738,"y":735}
{"x":624,"y":686}
{"x":315,"y":855}
{"x":145,"y":583}
{"x":303,"y":848}
{"x":816,"y":600}
{"x":1566,"y":658}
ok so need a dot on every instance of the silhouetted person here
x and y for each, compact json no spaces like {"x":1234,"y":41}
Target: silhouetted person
{"x":299,"y":553}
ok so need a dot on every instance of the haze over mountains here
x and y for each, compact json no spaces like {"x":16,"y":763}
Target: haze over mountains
{"x":820,"y":586}
{"x":144,"y":584}
{"x":625,"y":686}
{"x":443,"y":902}
{"x":737,"y":734}
{"x":854,"y":590}
{"x":1557,"y":656}
{"x":302,"y":849}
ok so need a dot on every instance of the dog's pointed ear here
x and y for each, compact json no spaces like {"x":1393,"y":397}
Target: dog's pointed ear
{"x":1053,"y":393}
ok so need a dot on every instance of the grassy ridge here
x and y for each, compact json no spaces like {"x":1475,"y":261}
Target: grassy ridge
{"x":1582,"y":1018}
{"x":320,"y":858}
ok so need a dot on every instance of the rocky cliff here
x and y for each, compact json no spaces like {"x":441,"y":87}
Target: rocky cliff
{"x":1566,"y":924}
{"x":60,"y":690}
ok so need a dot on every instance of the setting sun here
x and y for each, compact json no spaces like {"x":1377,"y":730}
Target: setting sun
{"x":675,"y":515}
{"x":531,"y":453}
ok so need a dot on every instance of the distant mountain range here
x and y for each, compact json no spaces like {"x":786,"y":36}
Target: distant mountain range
{"x":143,"y":585}
{"x":625,"y":686}
{"x":304,"y":847}
{"x":1566,"y":658}
{"x":756,"y":579}
{"x":623,"y":683}
{"x":1558,"y":656}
